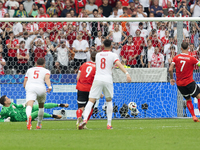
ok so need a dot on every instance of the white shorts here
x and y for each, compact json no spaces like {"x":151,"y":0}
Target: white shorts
{"x":36,"y":93}
{"x":100,"y":86}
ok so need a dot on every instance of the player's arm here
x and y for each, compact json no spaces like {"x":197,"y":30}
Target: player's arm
{"x":25,"y":80}
{"x":171,"y":68}
{"x":121,"y":67}
{"x":48,"y":82}
{"x":78,"y":75}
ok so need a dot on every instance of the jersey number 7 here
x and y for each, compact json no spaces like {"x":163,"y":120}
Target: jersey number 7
{"x":183,"y":64}
{"x":36,"y":74}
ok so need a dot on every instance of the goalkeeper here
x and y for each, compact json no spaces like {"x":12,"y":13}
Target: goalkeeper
{"x":18,"y":112}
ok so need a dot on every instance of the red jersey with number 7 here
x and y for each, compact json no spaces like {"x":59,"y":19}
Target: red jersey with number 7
{"x":184,"y":65}
{"x":87,"y":72}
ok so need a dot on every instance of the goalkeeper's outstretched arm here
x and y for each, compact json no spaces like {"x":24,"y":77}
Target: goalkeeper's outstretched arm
{"x":121,"y":67}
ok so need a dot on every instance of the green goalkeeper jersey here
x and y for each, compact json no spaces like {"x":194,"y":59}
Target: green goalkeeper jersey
{"x":15,"y":112}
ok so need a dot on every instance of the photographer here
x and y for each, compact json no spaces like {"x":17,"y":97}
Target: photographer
{"x":195,"y":8}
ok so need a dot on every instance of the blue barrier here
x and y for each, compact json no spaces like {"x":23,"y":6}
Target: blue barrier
{"x":161,"y":97}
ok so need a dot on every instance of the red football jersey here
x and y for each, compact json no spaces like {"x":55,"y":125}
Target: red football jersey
{"x":43,"y":25}
{"x":184,"y":64}
{"x":39,"y":52}
{"x":86,"y":78}
{"x":14,"y":43}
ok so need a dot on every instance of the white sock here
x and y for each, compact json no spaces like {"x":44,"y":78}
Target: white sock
{"x":28,"y":111}
{"x":109,"y":112}
{"x":40,"y":116}
{"x":87,"y":111}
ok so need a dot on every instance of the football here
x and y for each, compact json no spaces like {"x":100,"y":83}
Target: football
{"x":132,"y":106}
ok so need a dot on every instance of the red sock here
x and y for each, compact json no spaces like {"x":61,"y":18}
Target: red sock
{"x":79,"y":113}
{"x":190,"y":107}
{"x":199,"y":104}
{"x":90,"y":115}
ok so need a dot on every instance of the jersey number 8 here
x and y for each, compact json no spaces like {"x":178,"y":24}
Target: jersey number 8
{"x":103,"y":63}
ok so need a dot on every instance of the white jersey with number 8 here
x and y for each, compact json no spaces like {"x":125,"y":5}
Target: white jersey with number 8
{"x":104,"y":64}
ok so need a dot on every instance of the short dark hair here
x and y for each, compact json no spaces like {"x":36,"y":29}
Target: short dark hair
{"x":107,"y":43}
{"x":10,"y":32}
{"x":125,"y":8}
{"x":2,"y":100}
{"x":184,"y":45}
{"x":141,"y":24}
{"x":40,"y":61}
{"x":22,"y":42}
{"x":95,"y":10}
{"x":93,"y":56}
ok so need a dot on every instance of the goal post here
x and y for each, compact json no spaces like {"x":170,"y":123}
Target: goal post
{"x":149,"y":87}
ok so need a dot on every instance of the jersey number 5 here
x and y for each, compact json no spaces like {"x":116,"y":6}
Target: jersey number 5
{"x":36,"y":74}
{"x":103,"y":63}
{"x":183,"y":64}
{"x":88,"y":71}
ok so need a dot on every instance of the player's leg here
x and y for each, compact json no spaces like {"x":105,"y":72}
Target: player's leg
{"x":53,"y":105}
{"x":40,"y":115}
{"x":108,"y":92}
{"x":46,"y":115}
{"x":30,"y":98}
{"x":198,"y":98}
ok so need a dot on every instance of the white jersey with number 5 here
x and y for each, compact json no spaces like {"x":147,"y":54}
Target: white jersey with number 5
{"x":104,"y":64}
{"x":36,"y":76}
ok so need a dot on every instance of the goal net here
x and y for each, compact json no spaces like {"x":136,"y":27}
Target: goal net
{"x":145,"y":47}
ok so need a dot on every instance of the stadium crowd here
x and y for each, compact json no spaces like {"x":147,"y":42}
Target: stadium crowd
{"x":66,"y":45}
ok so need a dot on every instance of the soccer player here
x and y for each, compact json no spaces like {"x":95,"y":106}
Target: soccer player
{"x":184,"y":64}
{"x":18,"y":112}
{"x":34,"y":84}
{"x":103,"y":81}
{"x":85,"y":79}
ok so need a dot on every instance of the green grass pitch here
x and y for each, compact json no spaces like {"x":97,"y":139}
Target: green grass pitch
{"x":169,"y":134}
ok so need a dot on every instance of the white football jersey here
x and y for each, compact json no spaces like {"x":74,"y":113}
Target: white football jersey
{"x":104,"y":64}
{"x":36,"y":76}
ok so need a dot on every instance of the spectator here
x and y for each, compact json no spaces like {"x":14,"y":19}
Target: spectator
{"x":195,"y":8}
{"x":107,"y":9}
{"x":146,"y":53}
{"x":12,"y":5}
{"x":39,"y":50}
{"x":138,"y":44}
{"x":79,"y":5}
{"x":92,"y":49}
{"x":71,"y":34}
{"x":80,"y":47}
{"x":154,"y":38}
{"x":161,"y":31}
{"x":67,"y":9}
{"x":21,"y":12}
{"x":49,"y":57}
{"x":60,"y":7}
{"x":17,"y":30}
{"x":43,"y":25}
{"x":172,"y":54}
{"x":165,"y":39}
{"x":132,"y":7}
{"x":123,"y":24}
{"x":61,"y":36}
{"x":72,"y":12}
{"x":100,"y":12}
{"x":115,"y":13}
{"x":100,"y":48}
{"x":117,"y":49}
{"x":194,"y":36}
{"x":90,"y":7}
{"x":119,"y":8}
{"x":2,"y":62}
{"x":23,"y":57}
{"x":151,"y":24}
{"x":34,"y":10}
{"x":52,"y":9}
{"x":53,"y":28}
{"x":156,"y":60}
{"x":28,"y":5}
{"x":12,"y":46}
{"x":32,"y":29}
{"x":145,"y":4}
{"x":182,"y":4}
{"x":133,"y":25}
{"x":116,"y":35}
{"x":3,"y":11}
{"x":144,"y":32}
{"x":98,"y":39}
{"x":95,"y":26}
{"x":63,"y":55}
{"x":137,"y":3}
{"x":129,"y":54}
{"x":156,"y":9}
{"x":167,"y":49}
{"x":86,"y":32}
{"x":27,"y":40}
